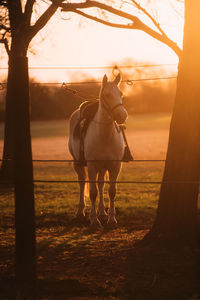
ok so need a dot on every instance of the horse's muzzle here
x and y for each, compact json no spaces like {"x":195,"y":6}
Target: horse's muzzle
{"x":120,"y":115}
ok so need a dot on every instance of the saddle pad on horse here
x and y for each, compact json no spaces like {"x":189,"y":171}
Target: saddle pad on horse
{"x":87,"y":111}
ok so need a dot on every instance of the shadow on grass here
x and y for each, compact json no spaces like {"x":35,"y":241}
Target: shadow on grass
{"x":105,"y":265}
{"x":151,"y":274}
{"x":45,"y":289}
{"x":155,"y":274}
{"x":52,"y":220}
{"x":61,"y":289}
{"x":138,"y":220}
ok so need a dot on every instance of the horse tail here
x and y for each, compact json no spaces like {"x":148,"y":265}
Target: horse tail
{"x":86,"y":191}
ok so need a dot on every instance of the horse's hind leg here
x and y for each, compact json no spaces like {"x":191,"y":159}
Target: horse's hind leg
{"x":81,"y":172}
{"x":102,"y":215}
{"x":92,"y":174}
{"x":113,"y":174}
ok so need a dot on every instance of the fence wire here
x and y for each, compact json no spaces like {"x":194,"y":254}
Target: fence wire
{"x":88,"y":160}
{"x":94,"y":67}
{"x":106,"y":182}
{"x":87,"y":181}
{"x":101,"y":181}
{"x":64,"y":84}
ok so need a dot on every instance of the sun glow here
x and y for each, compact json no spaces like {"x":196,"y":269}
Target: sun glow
{"x":79,"y":42}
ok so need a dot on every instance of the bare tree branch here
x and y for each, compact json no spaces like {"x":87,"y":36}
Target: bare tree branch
{"x":28,"y":11}
{"x":41,"y":22}
{"x":136,"y":22}
{"x":4,"y":27}
{"x":124,"y":26}
{"x":76,"y":7}
{"x":149,"y":16}
{"x":3,"y":3}
{"x":5,"y":42}
{"x":88,"y":4}
{"x":162,"y":38}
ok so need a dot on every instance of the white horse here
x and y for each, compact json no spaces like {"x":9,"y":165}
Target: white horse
{"x":103,"y":146}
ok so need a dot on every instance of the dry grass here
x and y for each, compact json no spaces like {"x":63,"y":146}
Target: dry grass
{"x":75,"y":263}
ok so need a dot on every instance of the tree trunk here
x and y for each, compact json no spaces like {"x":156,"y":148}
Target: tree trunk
{"x":19,"y":128}
{"x":23,"y":175}
{"x":18,"y":144}
{"x":176,"y":219}
{"x":6,"y":170}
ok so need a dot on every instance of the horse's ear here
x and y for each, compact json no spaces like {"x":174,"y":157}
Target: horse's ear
{"x":117,"y":79}
{"x":105,"y":80}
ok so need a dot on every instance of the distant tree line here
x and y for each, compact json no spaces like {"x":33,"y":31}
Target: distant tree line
{"x":53,"y":102}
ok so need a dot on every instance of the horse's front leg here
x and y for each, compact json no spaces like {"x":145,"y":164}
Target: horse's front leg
{"x":101,"y":207}
{"x":92,"y":175}
{"x":113,"y":174}
{"x":81,"y":172}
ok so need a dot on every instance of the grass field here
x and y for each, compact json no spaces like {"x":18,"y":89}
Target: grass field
{"x":75,"y":263}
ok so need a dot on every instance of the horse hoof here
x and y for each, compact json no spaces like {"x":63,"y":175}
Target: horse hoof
{"x":95,"y":225}
{"x":112,"y":224}
{"x":103,"y":219}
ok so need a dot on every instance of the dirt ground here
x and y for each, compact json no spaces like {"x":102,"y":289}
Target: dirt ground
{"x":144,"y":144}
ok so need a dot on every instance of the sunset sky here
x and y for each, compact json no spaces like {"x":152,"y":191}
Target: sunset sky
{"x":70,"y":40}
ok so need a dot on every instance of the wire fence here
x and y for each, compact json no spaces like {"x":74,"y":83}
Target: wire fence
{"x":89,"y":160}
{"x":113,"y":68}
{"x":127,"y":81}
{"x":2,"y":182}
{"x":88,"y":181}
{"x":66,"y":85}
{"x":6,"y":182}
{"x":95,"y":67}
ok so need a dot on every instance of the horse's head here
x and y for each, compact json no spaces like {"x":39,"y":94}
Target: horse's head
{"x":111,"y":99}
